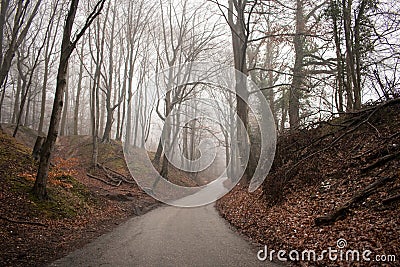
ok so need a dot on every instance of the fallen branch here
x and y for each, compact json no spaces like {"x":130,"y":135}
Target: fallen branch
{"x":359,"y":156}
{"x":104,"y":181}
{"x":23,"y":222}
{"x":341,"y":212}
{"x":107,"y":174}
{"x":391,"y":199}
{"x":121,"y":176}
{"x":364,"y":119}
{"x":117,"y":174}
{"x":380,"y":161}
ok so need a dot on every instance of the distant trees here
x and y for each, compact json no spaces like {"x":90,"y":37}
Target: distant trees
{"x":296,"y":58}
{"x":14,"y":27}
{"x":365,"y":33}
{"x":23,"y":17}
{"x":332,"y":61}
{"x":311,"y":59}
{"x":186,"y":41}
{"x":352,"y":26}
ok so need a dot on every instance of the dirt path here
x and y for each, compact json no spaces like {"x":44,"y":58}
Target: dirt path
{"x":168,"y":236}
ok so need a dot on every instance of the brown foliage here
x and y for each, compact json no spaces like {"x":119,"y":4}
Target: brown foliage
{"x":282,"y":213}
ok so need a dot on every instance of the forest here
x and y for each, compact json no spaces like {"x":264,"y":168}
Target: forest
{"x":283,"y":112}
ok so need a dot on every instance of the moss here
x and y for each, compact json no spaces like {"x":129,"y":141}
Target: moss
{"x":17,"y":171}
{"x":66,"y":202}
{"x":58,"y":206}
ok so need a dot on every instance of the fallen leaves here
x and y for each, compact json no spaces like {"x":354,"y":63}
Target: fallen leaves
{"x":284,"y":217}
{"x":59,"y":173}
{"x":79,"y":209}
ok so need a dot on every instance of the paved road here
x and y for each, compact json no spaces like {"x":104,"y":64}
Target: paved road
{"x":168,"y":236}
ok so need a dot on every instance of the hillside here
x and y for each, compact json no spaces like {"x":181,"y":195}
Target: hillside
{"x":34,"y":232}
{"x":337,"y":179}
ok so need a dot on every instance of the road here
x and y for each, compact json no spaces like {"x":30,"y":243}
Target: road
{"x":168,"y":236}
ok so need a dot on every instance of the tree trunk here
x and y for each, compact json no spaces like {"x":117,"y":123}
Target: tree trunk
{"x":167,"y":128}
{"x":109,"y":108}
{"x":64,"y":118}
{"x":47,"y":54}
{"x":239,"y":43}
{"x":121,"y":117}
{"x":357,"y":52}
{"x":93,"y":115}
{"x":339,"y":58}
{"x":78,"y":93}
{"x":67,"y":47}
{"x":17,"y":100}
{"x":298,"y":75}
{"x":39,"y":188}
{"x":284,"y":109}
{"x":38,"y":147}
{"x":28,"y":106}
{"x":350,"y":69}
{"x":3,"y":94}
{"x":24,"y":94}
{"x":3,"y":14}
{"x":44,"y":94}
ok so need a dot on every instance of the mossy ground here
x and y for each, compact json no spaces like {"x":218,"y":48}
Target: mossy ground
{"x":17,"y":178}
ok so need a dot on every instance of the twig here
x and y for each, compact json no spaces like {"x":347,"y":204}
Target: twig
{"x":377,"y":131}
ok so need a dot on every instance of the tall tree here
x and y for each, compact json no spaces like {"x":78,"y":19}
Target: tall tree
{"x":298,"y":74}
{"x":239,"y":19}
{"x":50,"y":44}
{"x":67,"y":47}
{"x":79,"y":91}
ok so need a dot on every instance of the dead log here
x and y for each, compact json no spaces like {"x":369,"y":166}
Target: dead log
{"x":391,"y":199}
{"x":341,"y":212}
{"x":23,"y":222}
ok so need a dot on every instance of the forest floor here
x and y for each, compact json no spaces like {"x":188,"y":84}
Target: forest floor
{"x":333,"y":166}
{"x":33,"y":232}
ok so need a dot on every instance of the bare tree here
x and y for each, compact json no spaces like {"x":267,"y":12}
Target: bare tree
{"x":19,"y":31}
{"x":67,"y":48}
{"x":79,"y":91}
{"x":50,"y":44}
